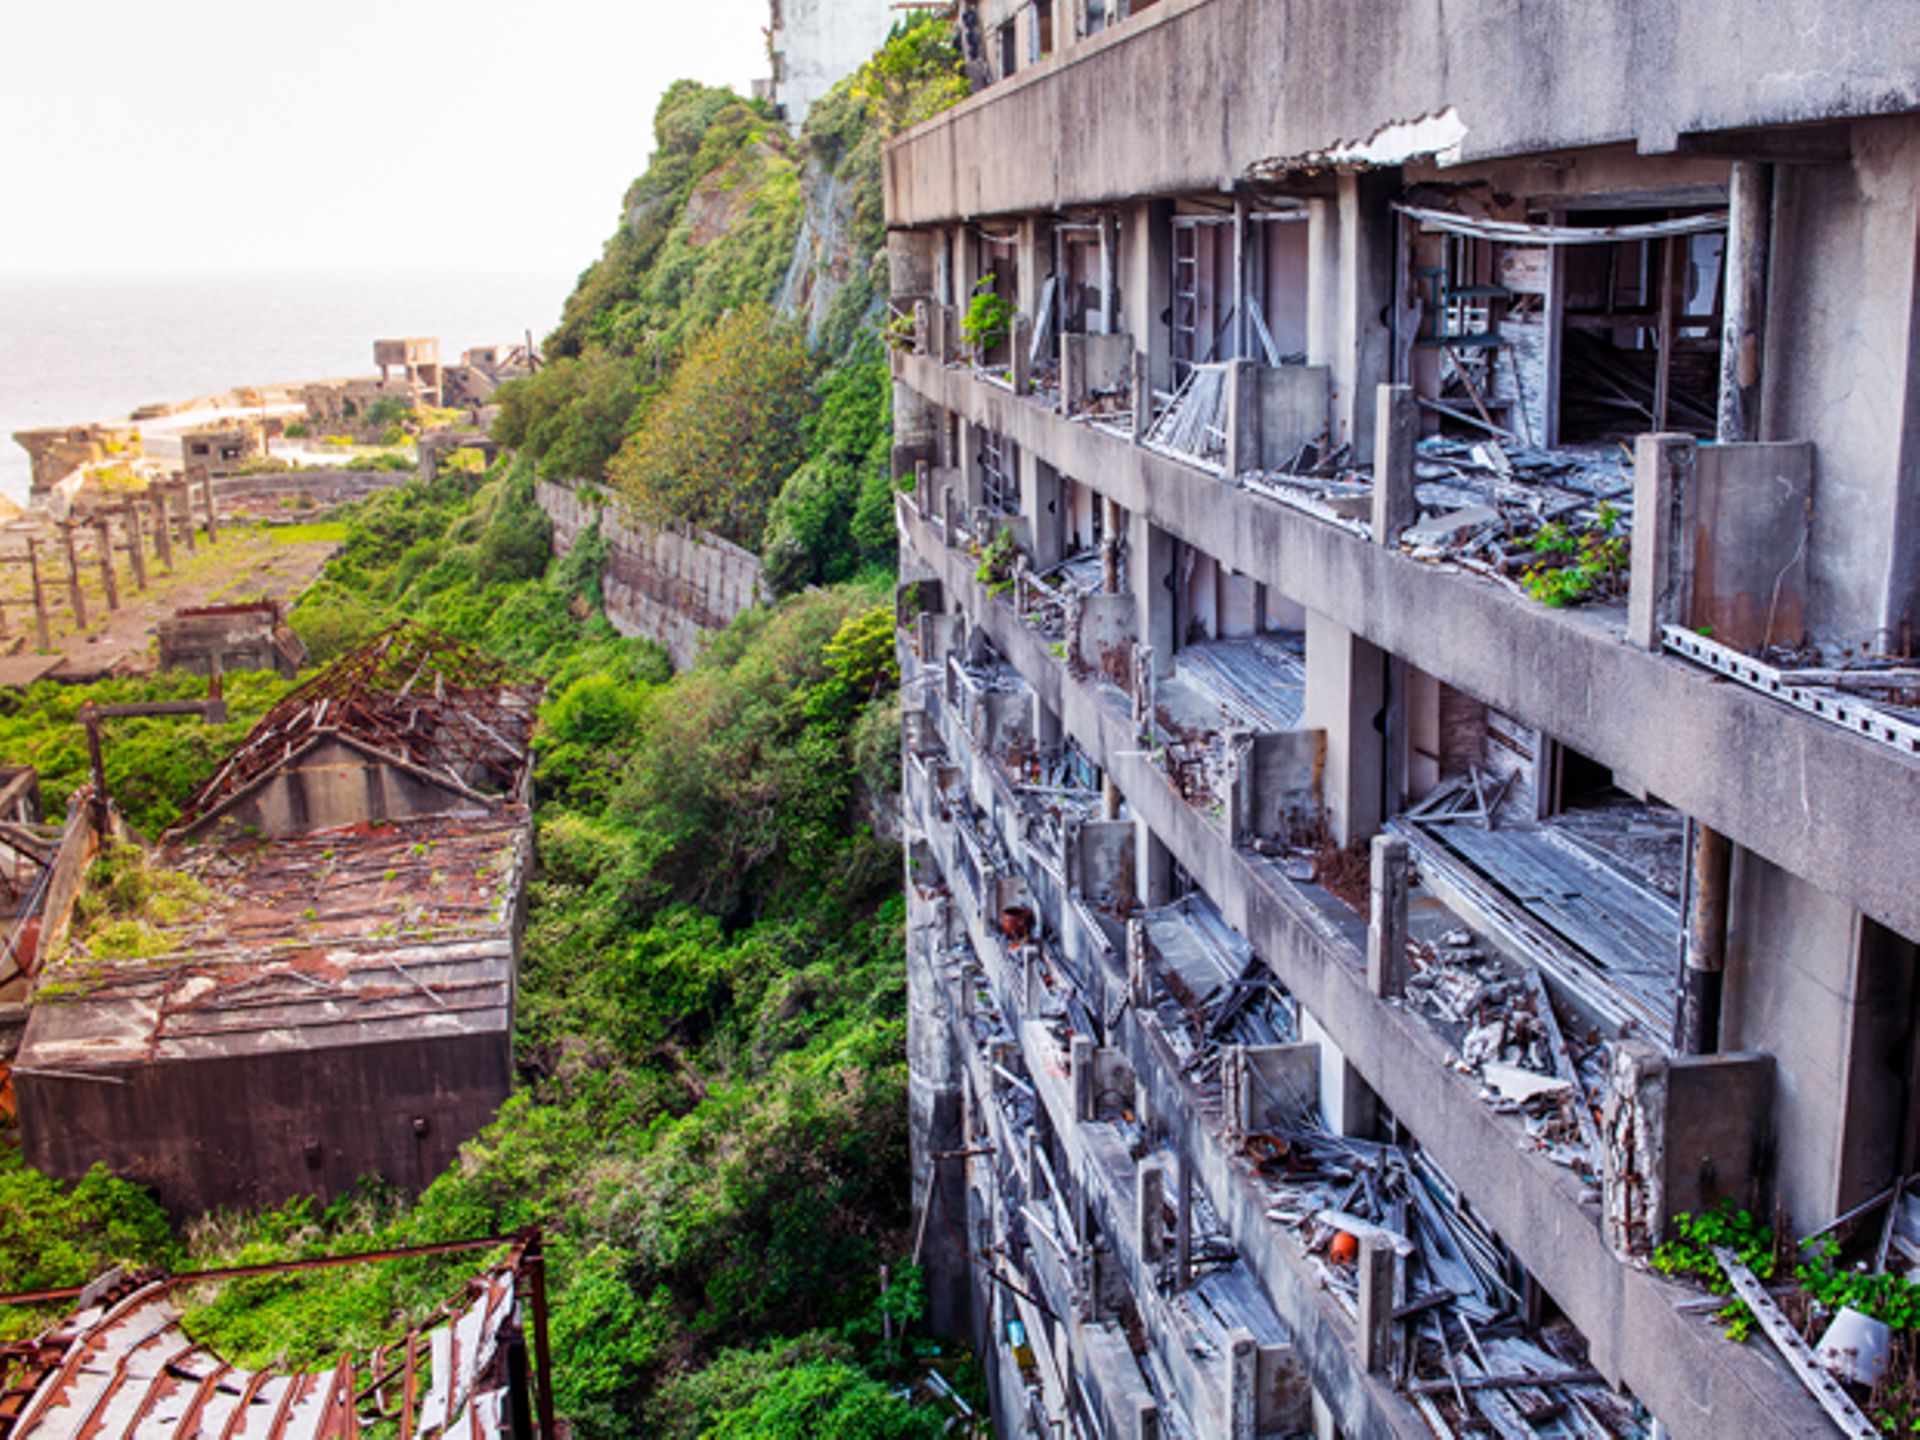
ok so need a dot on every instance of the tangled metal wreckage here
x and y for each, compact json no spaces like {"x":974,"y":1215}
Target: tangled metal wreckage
{"x":122,"y":1365}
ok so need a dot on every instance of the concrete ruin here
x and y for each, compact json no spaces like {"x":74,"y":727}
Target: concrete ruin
{"x":670,"y":583}
{"x":216,"y":639}
{"x":1335,"y":930}
{"x":331,"y":995}
{"x":815,"y":44}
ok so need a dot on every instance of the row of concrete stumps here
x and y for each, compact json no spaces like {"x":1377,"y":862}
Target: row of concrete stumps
{"x":165,"y":513}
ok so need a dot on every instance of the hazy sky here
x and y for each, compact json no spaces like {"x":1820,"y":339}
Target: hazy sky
{"x":347,"y":135}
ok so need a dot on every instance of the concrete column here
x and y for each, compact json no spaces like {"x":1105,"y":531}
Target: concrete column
{"x":1020,"y":353}
{"x":103,"y":540}
{"x":1350,"y":284}
{"x":1243,"y":418}
{"x":1377,"y":1265}
{"x":1043,"y":501}
{"x":1346,"y":697}
{"x":40,"y":617}
{"x":75,"y":596}
{"x":1396,"y":424}
{"x":1744,"y":324}
{"x":136,"y":544}
{"x":1243,"y":1391}
{"x":1709,"y":873}
{"x":1150,"y":576}
{"x":1149,"y":1207}
{"x":162,"y":532}
{"x":186,"y":520}
{"x":1183,"y":1226}
{"x":1153,"y":864}
{"x":1141,"y":389}
{"x":1080,"y":1064}
{"x":1147,"y":286}
{"x":934,"y":1098}
{"x":1387,"y":920}
{"x":213,"y":518}
{"x":1660,"y":581}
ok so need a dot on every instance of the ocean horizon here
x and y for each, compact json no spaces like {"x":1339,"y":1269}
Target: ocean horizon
{"x":77,"y":347}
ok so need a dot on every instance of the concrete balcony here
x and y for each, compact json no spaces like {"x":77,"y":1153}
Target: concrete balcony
{"x":1103,"y":119}
{"x":1695,"y":1380}
{"x":1663,"y":721}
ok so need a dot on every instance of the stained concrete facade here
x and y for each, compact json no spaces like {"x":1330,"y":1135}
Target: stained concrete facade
{"x":1143,"y":164}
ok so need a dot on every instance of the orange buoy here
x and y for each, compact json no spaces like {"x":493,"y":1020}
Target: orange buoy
{"x":1344,"y":1249}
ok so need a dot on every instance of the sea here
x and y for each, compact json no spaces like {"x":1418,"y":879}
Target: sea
{"x":80,"y":347}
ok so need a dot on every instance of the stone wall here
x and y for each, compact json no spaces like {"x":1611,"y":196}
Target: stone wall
{"x":310,"y":488}
{"x":669,"y":584}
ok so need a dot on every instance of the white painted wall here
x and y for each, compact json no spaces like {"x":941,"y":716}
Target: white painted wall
{"x":818,"y":43}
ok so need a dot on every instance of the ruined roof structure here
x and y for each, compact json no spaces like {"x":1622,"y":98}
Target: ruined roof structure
{"x":326,"y":988}
{"x":121,"y":1365}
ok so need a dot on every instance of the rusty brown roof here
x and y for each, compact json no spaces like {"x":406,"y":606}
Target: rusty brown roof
{"x":394,"y":930}
{"x":122,"y":1367}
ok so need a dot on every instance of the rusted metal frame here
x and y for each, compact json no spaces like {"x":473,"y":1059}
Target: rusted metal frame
{"x":82,"y":1345}
{"x":237,"y":1421}
{"x":208,"y":1388}
{"x":278,"y":1267}
{"x":159,"y":1390}
{"x":536,"y":1265}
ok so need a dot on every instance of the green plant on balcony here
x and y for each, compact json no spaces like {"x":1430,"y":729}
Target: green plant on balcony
{"x":989,"y":319}
{"x":995,"y":570}
{"x":1577,"y":563}
{"x":901,"y":331}
{"x":1690,"y":1254}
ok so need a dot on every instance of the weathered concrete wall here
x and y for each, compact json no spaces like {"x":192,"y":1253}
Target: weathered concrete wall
{"x":672,"y":585}
{"x":816,"y":43}
{"x":304,"y":488}
{"x":1556,"y":74}
{"x":246,"y":1131}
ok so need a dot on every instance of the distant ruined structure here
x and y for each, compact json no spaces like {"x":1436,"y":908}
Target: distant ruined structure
{"x":814,"y":45}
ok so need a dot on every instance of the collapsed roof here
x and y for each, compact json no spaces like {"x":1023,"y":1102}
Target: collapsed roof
{"x":412,"y":697}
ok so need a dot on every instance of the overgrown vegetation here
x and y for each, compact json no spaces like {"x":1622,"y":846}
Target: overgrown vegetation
{"x":710,"y":1124}
{"x":1578,"y":562}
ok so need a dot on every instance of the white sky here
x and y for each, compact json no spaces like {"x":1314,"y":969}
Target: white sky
{"x":489,"y":135}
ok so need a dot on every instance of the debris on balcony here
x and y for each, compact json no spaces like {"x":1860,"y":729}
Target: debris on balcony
{"x":1193,"y":427}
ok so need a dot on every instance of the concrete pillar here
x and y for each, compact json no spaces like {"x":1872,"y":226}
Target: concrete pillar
{"x":1744,"y":323}
{"x":1243,"y":418}
{"x":1377,"y":1265}
{"x":1709,"y":874}
{"x":1147,"y":285}
{"x":1150,"y":576}
{"x":1346,"y":697}
{"x":103,"y":542}
{"x":213,"y":518}
{"x":1396,"y":424}
{"x":1020,"y":356}
{"x":1153,"y":863}
{"x":41,"y":626}
{"x":1109,"y":546}
{"x":1387,"y":918}
{"x":934,"y":1099}
{"x":186,"y":519}
{"x":1141,"y":388}
{"x":136,"y":544}
{"x":1660,"y":580}
{"x":1043,"y":501}
{"x":1080,"y":1063}
{"x":1349,"y":286}
{"x":1183,"y":1226}
{"x":162,"y":530}
{"x":1243,"y":1390}
{"x":75,"y":596}
{"x":1149,"y":1208}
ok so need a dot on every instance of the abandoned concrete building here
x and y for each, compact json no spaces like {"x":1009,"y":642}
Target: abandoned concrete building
{"x":1410,"y":539}
{"x":216,"y":639}
{"x":327,"y":991}
{"x":220,"y":451}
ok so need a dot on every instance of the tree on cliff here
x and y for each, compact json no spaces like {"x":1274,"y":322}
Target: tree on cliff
{"x":727,"y":432}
